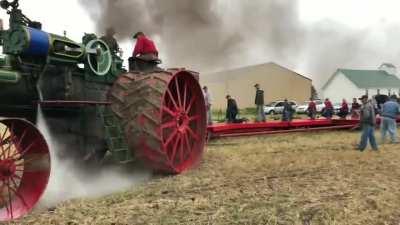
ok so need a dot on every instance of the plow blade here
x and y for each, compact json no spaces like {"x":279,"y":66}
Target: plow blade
{"x":278,"y":127}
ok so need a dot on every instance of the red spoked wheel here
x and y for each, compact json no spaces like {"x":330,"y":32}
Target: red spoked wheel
{"x":183,"y":127}
{"x":165,"y":118}
{"x":24,"y":167}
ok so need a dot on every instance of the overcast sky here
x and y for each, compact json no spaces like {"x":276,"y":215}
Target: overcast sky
{"x":355,"y":15}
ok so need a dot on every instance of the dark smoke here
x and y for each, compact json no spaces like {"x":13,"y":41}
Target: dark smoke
{"x":206,"y":34}
{"x":210,"y":35}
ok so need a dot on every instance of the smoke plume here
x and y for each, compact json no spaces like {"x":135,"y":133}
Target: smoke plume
{"x":67,"y":181}
{"x":210,"y":35}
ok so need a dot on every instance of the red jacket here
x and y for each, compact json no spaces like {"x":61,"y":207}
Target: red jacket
{"x":328,"y":105}
{"x":312,"y":107}
{"x":144,"y":46}
{"x":345,"y":107}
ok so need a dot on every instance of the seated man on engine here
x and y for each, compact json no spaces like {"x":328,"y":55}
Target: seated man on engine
{"x":145,"y":53}
{"x":145,"y":48}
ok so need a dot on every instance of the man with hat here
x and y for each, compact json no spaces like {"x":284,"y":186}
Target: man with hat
{"x":207,"y":100}
{"x":259,"y":102}
{"x":367,"y":123}
{"x":110,"y":40}
{"x":390,"y":111}
{"x":145,"y":48}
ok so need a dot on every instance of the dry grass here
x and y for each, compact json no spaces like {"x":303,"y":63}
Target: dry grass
{"x":299,"y":179}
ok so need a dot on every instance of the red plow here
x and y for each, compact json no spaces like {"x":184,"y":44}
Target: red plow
{"x":278,"y":127}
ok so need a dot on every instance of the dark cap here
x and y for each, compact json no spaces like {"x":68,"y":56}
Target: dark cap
{"x":363,"y":97}
{"x":257,"y":85}
{"x":137,"y":34}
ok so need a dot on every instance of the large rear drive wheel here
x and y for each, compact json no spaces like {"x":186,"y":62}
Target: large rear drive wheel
{"x":164,"y":117}
{"x":24,"y":167}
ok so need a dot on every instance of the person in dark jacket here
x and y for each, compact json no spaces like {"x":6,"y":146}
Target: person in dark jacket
{"x":231,"y":109}
{"x":327,"y":112}
{"x":288,"y":111}
{"x":344,"y":110}
{"x":380,"y":100}
{"x":312,"y":109}
{"x":259,"y":102}
{"x":367,"y":123}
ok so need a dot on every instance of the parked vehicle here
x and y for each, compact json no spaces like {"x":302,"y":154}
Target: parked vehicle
{"x":302,"y":109}
{"x":276,"y":107}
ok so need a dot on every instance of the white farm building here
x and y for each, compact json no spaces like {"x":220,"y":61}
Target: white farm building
{"x":348,"y":84}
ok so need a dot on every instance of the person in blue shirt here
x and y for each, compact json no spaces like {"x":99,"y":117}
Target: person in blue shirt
{"x":390,"y":111}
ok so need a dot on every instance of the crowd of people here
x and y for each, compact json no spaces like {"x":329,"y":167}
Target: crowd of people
{"x":232,"y":109}
{"x":328,"y":111}
{"x":385,"y":109}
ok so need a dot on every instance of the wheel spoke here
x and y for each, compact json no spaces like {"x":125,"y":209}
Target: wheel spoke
{"x":174,"y":150}
{"x":3,"y":152}
{"x":14,"y":183}
{"x":168,"y":125}
{"x":4,"y":134}
{"x":181,"y":152}
{"x":168,"y":111}
{"x":194,"y":118}
{"x":3,"y":141}
{"x":12,"y":136}
{"x":190,"y":104}
{"x":174,"y":133}
{"x":178,"y":91}
{"x":7,"y":150}
{"x":18,"y":177}
{"x":3,"y":199}
{"x":22,"y":153}
{"x":195,"y":136}
{"x":187,"y":145}
{"x":6,"y":141}
{"x":172,"y":99}
{"x":17,"y":194}
{"x":185,"y":96}
{"x":21,"y":138}
{"x":9,"y":198}
{"x":27,"y":161}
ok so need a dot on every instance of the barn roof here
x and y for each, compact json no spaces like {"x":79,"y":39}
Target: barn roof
{"x":243,"y":71}
{"x":365,"y":79}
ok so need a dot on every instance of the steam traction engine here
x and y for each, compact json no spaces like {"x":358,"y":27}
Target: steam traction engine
{"x":93,"y":108}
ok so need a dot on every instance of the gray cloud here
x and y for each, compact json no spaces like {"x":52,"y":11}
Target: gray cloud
{"x":210,"y":35}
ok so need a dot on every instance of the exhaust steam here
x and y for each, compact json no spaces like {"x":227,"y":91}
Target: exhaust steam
{"x":69,"y":182}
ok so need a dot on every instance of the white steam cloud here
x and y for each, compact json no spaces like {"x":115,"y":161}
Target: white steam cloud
{"x":69,"y":182}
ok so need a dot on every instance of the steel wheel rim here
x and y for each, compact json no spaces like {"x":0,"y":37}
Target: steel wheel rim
{"x":24,"y":168}
{"x":183,"y":126}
